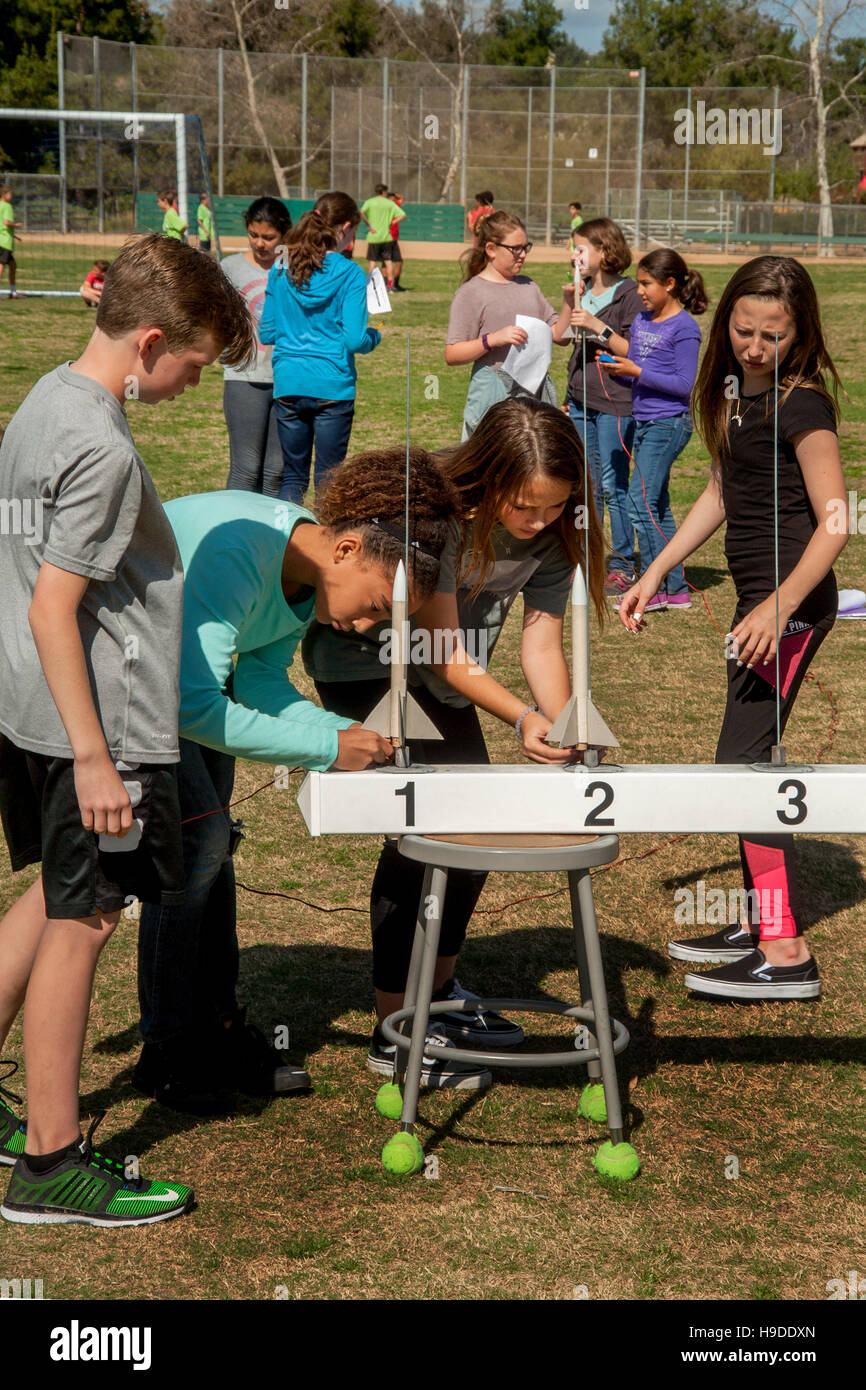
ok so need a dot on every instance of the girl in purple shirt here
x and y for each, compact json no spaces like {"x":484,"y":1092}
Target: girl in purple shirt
{"x":662,"y":362}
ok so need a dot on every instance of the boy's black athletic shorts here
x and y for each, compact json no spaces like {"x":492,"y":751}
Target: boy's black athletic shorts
{"x":84,"y":874}
{"x":379,"y":250}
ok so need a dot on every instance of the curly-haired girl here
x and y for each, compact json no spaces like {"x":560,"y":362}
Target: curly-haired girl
{"x":257,"y":571}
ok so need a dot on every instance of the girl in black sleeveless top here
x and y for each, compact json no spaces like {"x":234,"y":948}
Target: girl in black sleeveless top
{"x":770,"y":300}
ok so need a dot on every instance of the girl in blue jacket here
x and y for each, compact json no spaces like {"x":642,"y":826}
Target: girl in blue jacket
{"x":315,"y":315}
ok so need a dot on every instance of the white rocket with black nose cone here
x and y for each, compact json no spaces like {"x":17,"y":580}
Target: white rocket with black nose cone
{"x":580,"y":725}
{"x":398,"y":716}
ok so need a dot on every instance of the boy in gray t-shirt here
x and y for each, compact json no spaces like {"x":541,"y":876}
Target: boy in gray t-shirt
{"x":89,"y":656}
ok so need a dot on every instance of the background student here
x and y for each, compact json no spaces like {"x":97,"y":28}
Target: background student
{"x":609,"y":302}
{"x":315,"y":315}
{"x":379,"y":215}
{"x":662,"y":363}
{"x":482,"y":323}
{"x":256,"y":458}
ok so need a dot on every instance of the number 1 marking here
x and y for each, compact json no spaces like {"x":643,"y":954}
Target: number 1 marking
{"x":409,"y":792}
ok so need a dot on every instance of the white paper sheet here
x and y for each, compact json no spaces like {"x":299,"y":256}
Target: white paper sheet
{"x":377,"y":296}
{"x":528,"y":364}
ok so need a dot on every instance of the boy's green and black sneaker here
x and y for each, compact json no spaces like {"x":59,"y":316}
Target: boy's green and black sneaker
{"x":13,"y":1135}
{"x":87,"y":1188}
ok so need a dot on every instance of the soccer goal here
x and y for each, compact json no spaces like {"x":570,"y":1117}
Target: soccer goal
{"x":100,"y":173}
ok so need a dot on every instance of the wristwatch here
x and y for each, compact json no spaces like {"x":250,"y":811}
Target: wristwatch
{"x":606,"y":334}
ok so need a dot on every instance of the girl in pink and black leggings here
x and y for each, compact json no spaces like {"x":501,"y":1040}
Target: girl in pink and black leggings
{"x":770,"y":299}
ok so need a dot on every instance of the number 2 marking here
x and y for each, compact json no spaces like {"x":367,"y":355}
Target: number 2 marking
{"x":595,"y":817}
{"x":796,"y":802}
{"x":409,"y":792}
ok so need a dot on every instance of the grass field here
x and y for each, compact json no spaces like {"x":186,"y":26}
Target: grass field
{"x":292,"y":1196}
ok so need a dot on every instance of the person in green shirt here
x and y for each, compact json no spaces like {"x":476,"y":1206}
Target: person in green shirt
{"x":7,"y":237}
{"x":576,"y":221}
{"x":379,"y":212}
{"x":172,"y":223}
{"x":204,"y":218}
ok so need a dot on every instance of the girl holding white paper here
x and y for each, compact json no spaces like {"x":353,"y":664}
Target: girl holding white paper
{"x":482,"y":326}
{"x":315,"y":315}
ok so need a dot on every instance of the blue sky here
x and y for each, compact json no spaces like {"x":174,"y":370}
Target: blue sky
{"x":586,"y":26}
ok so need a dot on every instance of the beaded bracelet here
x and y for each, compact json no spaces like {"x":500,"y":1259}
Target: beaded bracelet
{"x":530,"y":709}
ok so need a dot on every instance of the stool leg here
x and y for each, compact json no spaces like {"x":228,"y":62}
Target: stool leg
{"x":593,"y":1068}
{"x":599,"y":1004}
{"x":411,"y":992}
{"x":435,"y":884}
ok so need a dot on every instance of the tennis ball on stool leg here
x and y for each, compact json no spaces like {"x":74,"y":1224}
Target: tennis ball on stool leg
{"x":403,"y":1154}
{"x":617,"y":1161}
{"x":389,"y":1100}
{"x":592,"y":1106}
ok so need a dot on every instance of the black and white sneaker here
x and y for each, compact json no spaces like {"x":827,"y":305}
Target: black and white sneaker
{"x":731,"y":943}
{"x":252,"y":1065}
{"x":753,"y":978}
{"x":436,"y":1073}
{"x":475,"y":1027}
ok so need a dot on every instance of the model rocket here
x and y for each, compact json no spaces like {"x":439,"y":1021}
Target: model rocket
{"x":398,"y":716}
{"x":580,"y":725}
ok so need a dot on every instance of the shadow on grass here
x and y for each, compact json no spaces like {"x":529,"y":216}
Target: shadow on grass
{"x":706,"y":576}
{"x":312,"y":987}
{"x":830,"y":880}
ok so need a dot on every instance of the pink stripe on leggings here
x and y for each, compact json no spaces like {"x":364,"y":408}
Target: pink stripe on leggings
{"x":767,"y":867}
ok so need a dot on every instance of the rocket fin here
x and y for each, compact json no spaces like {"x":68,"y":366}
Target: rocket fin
{"x":418,"y":725}
{"x":378,"y":721}
{"x":599,"y":734}
{"x":564,"y":731}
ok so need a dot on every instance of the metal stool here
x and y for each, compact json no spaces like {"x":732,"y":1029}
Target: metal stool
{"x":517,"y":853}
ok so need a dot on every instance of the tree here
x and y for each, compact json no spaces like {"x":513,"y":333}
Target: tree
{"x":28,"y":51}
{"x":682,"y":43}
{"x":446,"y":36}
{"x":526,"y":37}
{"x":834,"y":90}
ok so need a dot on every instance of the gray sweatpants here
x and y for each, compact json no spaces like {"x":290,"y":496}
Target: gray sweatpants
{"x":254,"y":445}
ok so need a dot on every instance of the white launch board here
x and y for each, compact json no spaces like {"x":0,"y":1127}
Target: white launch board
{"x":632,"y":799}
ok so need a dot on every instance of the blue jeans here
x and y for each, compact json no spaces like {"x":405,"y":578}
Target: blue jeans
{"x":608,"y":458}
{"x":188,"y":956}
{"x":303,"y":421}
{"x":656,"y":444}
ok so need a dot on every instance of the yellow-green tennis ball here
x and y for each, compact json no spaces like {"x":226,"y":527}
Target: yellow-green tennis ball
{"x":389,"y":1100}
{"x":403,"y":1154}
{"x":617,"y":1161}
{"x":592,"y":1106}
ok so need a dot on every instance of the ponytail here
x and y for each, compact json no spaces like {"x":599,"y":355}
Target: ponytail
{"x":689,"y":288}
{"x":317,"y":233}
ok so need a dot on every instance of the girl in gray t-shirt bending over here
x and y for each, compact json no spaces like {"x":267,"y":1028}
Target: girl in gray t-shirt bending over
{"x":521,"y":477}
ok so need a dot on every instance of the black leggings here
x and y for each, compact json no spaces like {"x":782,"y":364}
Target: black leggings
{"x":396,"y":890}
{"x":747,"y":736}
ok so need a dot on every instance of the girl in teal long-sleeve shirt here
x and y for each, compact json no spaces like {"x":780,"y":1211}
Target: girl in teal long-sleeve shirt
{"x":256,"y":573}
{"x":315,"y":315}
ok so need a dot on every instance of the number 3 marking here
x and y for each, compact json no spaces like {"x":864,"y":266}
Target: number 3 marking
{"x":796,"y":802}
